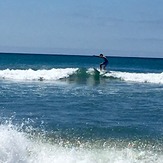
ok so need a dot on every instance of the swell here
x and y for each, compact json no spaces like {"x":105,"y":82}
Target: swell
{"x":78,"y":75}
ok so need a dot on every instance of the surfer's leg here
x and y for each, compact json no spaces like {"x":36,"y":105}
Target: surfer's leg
{"x":105,"y":64}
{"x":101,"y":66}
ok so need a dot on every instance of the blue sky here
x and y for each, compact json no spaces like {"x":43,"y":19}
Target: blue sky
{"x":112,"y":27}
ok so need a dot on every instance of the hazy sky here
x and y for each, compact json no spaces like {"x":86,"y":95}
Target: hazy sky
{"x":112,"y":27}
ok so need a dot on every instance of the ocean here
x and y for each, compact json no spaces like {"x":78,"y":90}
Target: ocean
{"x":58,"y":109}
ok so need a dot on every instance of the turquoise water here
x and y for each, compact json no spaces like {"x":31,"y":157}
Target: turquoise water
{"x":58,"y":109}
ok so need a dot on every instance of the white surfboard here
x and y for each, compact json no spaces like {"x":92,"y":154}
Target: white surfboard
{"x":101,"y":72}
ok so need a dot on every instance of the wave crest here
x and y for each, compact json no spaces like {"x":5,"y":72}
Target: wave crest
{"x":78,"y":74}
{"x":156,"y":78}
{"x":52,"y":74}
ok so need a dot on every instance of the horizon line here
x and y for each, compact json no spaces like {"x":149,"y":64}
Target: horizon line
{"x":82,"y":55}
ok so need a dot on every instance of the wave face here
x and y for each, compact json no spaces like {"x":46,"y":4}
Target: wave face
{"x":18,"y":146}
{"x":78,"y":74}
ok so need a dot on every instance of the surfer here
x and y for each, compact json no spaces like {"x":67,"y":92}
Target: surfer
{"x":103,"y":64}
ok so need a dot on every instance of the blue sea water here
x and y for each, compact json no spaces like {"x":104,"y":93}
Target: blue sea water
{"x":57,"y":108}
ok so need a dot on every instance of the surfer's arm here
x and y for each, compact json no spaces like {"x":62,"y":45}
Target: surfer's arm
{"x":96,"y":56}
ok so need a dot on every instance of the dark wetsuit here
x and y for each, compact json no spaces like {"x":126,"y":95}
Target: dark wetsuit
{"x":105,"y":63}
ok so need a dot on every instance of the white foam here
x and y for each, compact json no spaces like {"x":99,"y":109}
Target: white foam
{"x":16,"y":146}
{"x":156,"y":78}
{"x":13,"y":145}
{"x":52,"y":74}
{"x":59,"y":73}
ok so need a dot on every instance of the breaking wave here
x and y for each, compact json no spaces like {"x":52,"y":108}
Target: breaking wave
{"x":77,"y":73}
{"x":156,"y":78}
{"x":19,"y":146}
{"x":50,"y":75}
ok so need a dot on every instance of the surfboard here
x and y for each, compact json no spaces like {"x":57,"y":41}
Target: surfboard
{"x":101,"y":72}
{"x":97,"y":71}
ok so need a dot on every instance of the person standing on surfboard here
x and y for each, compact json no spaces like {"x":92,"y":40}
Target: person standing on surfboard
{"x":103,"y":64}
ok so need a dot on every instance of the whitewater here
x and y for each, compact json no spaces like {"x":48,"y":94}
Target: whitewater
{"x":60,"y":73}
{"x":17,"y":146}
